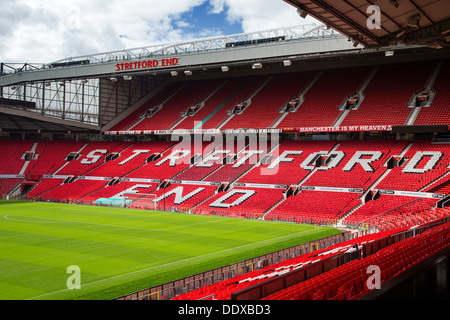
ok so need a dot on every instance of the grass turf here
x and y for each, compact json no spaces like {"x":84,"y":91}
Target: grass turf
{"x":120,"y":251}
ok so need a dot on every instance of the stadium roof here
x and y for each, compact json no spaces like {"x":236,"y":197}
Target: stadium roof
{"x":423,"y":22}
{"x":19,"y":119}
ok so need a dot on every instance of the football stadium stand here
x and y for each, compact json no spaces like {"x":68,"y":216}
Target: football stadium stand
{"x":353,"y":141}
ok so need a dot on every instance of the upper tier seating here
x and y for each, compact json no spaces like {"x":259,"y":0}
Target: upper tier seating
{"x":248,"y":86}
{"x":265,"y":105}
{"x":323,"y":99}
{"x":385,"y":99}
{"x":439,"y":111}
{"x":213,"y":113}
{"x":388,"y":94}
{"x":192,"y":93}
{"x":156,"y":100}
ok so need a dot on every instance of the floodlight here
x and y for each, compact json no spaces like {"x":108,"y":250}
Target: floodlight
{"x":302,"y":13}
{"x":394,"y":3}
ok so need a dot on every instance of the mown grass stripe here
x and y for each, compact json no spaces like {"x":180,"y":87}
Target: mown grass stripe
{"x":121,"y":250}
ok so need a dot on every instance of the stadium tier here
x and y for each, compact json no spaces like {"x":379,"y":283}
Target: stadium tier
{"x":318,"y":182}
{"x":383,"y":185}
{"x":438,"y":112}
{"x":322,"y":101}
{"x":223,"y":290}
{"x":391,"y":94}
{"x":388,"y":94}
{"x":315,"y":207}
{"x":348,"y":282}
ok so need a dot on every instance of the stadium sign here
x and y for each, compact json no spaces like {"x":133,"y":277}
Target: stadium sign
{"x":333,"y":189}
{"x":357,"y":128}
{"x":191,"y":131}
{"x":146,"y":64}
{"x":413,"y":194}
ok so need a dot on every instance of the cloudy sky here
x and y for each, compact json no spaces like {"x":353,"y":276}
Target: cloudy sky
{"x":42,"y":31}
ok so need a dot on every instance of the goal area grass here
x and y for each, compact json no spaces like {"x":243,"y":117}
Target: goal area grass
{"x":119,"y":251}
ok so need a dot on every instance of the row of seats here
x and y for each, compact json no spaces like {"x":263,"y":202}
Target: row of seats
{"x":315,"y":207}
{"x":285,"y":165}
{"x":12,"y":160}
{"x":223,"y":289}
{"x":192,"y":93}
{"x":254,"y":201}
{"x":320,"y":107}
{"x":179,"y":196}
{"x":439,"y":111}
{"x":425,"y":163}
{"x":71,"y":192}
{"x":351,"y":164}
{"x":372,"y":154}
{"x":388,"y":94}
{"x":347,"y":164}
{"x":392,"y":211}
{"x":385,"y":100}
{"x":351,"y":280}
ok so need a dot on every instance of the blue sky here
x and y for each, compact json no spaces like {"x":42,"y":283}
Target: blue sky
{"x":42,"y":31}
{"x":202,"y":19}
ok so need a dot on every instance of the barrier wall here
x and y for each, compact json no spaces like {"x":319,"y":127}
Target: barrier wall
{"x":169,"y":290}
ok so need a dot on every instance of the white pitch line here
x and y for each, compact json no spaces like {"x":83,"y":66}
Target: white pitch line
{"x":100,"y":224}
{"x":168,"y":264}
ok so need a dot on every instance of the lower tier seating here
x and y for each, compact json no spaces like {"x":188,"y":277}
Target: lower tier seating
{"x":391,"y":209}
{"x":349,"y":281}
{"x":70,"y":192}
{"x":241,"y":201}
{"x":223,"y":290}
{"x":314,"y":207}
{"x":179,"y":196}
{"x":7,"y":184}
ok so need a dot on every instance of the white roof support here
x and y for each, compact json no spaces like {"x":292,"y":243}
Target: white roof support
{"x":284,"y":42}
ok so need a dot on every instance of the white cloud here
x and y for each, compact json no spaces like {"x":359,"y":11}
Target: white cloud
{"x":48,"y":30}
{"x":259,"y":15}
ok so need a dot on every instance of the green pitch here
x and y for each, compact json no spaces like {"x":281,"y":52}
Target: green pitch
{"x":119,"y":251}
